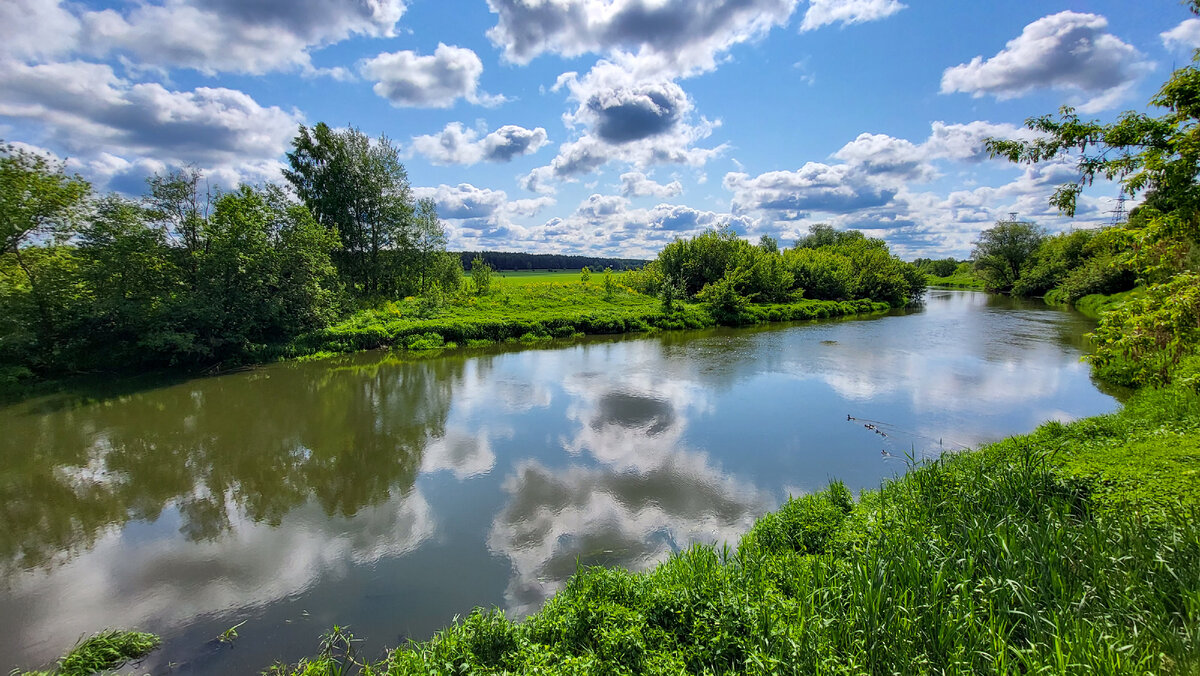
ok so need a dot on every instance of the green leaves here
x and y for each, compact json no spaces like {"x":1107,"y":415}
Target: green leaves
{"x":1003,"y":250}
{"x":37,"y":198}
{"x":1149,"y":335}
{"x":357,"y":187}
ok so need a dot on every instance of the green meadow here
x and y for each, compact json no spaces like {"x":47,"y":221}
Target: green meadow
{"x":522,"y":277}
{"x":532,"y":310}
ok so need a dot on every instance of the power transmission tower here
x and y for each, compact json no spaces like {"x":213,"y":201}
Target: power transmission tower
{"x":1119,"y":215}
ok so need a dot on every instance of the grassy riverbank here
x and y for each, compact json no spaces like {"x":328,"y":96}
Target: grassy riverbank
{"x":532,"y":312}
{"x":1074,"y":549}
{"x":1096,"y":304}
{"x":957,"y":281}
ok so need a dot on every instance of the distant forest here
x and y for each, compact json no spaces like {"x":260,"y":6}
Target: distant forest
{"x":504,"y":260}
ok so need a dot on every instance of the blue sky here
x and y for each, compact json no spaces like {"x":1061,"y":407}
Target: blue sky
{"x":604,"y":127}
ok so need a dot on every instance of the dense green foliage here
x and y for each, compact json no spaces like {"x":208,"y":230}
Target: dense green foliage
{"x":942,"y":267}
{"x":729,"y":274}
{"x":1003,"y":250}
{"x":1018,"y":258}
{"x":174,"y":279}
{"x":102,"y":652}
{"x":357,"y":187}
{"x":1049,"y":553}
{"x":185,"y":277}
{"x":963,"y":277}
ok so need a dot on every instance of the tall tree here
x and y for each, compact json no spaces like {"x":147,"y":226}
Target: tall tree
{"x":1003,"y":250}
{"x":429,"y":242}
{"x":38,"y":200}
{"x":359,"y":188}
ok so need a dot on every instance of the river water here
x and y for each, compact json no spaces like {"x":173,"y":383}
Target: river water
{"x":390,"y":494}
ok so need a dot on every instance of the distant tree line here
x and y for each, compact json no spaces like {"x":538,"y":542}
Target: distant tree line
{"x":507,"y":260}
{"x":191,"y":276}
{"x":729,"y":272}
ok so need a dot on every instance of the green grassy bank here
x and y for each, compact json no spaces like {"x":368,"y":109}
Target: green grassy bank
{"x":101,"y":653}
{"x":1093,"y":305}
{"x":532,"y":312}
{"x":956,"y":281}
{"x":1074,"y":549}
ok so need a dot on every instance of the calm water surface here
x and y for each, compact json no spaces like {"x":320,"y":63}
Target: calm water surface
{"x":391,"y":495}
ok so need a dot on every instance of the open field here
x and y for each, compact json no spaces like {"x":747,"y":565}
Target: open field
{"x":522,"y":277}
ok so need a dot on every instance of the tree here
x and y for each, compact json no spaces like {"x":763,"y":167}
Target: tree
{"x":359,"y":189}
{"x":823,"y":235}
{"x":429,"y":243}
{"x":1003,"y":250}
{"x":38,"y":200}
{"x":768,"y":244}
{"x":585,"y":274}
{"x":481,"y":274}
{"x":266,"y":274}
{"x":175,"y":202}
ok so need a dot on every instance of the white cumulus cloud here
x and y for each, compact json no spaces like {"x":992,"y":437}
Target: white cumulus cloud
{"x":677,"y":36}
{"x":1184,"y":36}
{"x":1066,"y":51}
{"x":637,"y":184}
{"x":456,"y":144}
{"x":110,"y":122}
{"x":824,"y":12}
{"x":210,"y":36}
{"x":408,"y":79}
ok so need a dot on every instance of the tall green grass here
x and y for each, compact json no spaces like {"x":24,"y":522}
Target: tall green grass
{"x":1009,"y":560}
{"x":102,"y":652}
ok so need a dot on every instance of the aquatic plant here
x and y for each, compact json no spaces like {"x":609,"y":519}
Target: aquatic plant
{"x":103,"y":652}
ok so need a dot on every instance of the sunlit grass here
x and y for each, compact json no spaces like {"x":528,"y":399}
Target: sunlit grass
{"x":523,"y":277}
{"x":533,"y":312}
{"x":103,"y":652}
{"x":959,"y":281}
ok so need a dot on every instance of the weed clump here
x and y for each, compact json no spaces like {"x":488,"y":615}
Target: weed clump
{"x":105,"y":651}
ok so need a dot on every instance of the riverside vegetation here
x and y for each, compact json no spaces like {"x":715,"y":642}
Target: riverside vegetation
{"x":1074,"y":549}
{"x":191,"y":278}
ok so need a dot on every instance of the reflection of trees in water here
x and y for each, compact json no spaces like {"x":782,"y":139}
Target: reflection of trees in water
{"x":648,"y":497}
{"x":258,"y":444}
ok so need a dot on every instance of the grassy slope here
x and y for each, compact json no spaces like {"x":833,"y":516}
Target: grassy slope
{"x":967,"y":281}
{"x":531,"y":312}
{"x":1054,"y":552}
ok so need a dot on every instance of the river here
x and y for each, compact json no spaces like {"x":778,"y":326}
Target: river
{"x":391,"y":493}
